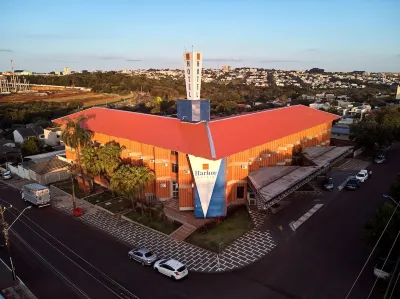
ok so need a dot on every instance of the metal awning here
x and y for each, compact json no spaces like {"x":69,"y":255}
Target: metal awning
{"x":272,"y":184}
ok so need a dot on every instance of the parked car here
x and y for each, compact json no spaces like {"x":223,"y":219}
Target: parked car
{"x":143,"y":256}
{"x":362,"y":176}
{"x":384,"y":272}
{"x":328,"y":185}
{"x":6,"y":175}
{"x":380,"y":159}
{"x":352,"y":184}
{"x":171,"y":268}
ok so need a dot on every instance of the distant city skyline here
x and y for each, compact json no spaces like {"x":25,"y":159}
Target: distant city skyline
{"x":339,"y":35}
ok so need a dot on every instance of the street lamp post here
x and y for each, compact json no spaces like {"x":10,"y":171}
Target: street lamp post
{"x":6,"y":228}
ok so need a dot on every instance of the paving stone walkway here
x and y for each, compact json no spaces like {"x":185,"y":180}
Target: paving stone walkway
{"x":250,"y":247}
{"x":355,"y":164}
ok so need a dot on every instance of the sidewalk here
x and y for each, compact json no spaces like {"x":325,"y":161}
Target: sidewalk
{"x":250,"y":247}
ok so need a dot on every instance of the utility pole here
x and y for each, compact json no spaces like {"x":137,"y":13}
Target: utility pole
{"x":6,"y":240}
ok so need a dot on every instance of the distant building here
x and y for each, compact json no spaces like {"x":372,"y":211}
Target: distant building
{"x":52,"y":136}
{"x":226,"y":68}
{"x":66,"y":71}
{"x":22,"y":134}
{"x":398,"y":93}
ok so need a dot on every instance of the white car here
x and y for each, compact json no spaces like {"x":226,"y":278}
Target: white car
{"x":362,"y":176}
{"x":171,"y":268}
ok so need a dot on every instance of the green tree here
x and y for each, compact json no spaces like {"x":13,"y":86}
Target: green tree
{"x":31,"y":146}
{"x":109,"y":158}
{"x":90,"y":160}
{"x":130,"y":181}
{"x":77,"y":136}
{"x":375,"y":228}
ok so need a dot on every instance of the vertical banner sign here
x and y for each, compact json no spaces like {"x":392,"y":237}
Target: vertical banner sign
{"x":209,"y":177}
{"x":193,"y":65}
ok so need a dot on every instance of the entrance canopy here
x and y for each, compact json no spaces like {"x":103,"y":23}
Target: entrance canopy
{"x":272,"y":184}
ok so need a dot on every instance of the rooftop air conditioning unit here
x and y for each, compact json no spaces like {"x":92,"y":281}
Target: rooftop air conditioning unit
{"x":187,"y":171}
{"x":163,"y":185}
{"x":259,"y":159}
{"x":244,"y":166}
{"x":152,"y":161}
{"x":165,"y":164}
{"x":140,"y":157}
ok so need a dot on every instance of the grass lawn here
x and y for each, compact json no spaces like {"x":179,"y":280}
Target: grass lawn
{"x":116,"y":205}
{"x":165,"y":227}
{"x":100,"y":197}
{"x":67,"y":187}
{"x":232,"y":227}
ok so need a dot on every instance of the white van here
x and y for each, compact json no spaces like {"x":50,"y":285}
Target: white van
{"x":36,"y":194}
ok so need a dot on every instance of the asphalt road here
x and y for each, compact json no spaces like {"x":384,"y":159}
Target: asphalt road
{"x":58,"y":256}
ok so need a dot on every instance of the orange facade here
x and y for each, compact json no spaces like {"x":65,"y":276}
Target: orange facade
{"x":173,"y":173}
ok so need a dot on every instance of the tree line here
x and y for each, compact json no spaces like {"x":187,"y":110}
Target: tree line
{"x":378,"y":129}
{"x":171,"y":88}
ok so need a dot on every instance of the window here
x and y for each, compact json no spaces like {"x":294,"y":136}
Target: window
{"x":239,"y":192}
{"x":175,"y":190}
{"x":174,"y":153}
{"x":175,"y":168}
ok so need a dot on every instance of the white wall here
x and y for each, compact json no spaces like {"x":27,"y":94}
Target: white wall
{"x":17,"y":137}
{"x":51,"y":137}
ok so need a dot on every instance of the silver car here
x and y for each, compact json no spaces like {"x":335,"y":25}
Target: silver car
{"x":143,"y":256}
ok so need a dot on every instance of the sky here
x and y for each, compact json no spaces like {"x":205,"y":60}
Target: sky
{"x":336,"y":35}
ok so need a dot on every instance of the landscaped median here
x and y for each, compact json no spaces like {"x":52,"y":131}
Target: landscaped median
{"x":116,"y":205}
{"x":215,"y":235}
{"x":155,"y":222}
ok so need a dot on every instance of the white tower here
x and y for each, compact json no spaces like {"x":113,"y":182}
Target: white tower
{"x":193,"y":65}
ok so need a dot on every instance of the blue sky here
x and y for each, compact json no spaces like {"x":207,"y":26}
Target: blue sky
{"x":47,"y":35}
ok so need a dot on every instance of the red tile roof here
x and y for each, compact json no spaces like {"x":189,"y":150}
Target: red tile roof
{"x":213,"y":140}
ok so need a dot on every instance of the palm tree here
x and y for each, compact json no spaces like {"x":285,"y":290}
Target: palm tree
{"x":76,"y":136}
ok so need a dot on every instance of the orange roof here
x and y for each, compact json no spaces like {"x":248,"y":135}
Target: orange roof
{"x":212,"y":140}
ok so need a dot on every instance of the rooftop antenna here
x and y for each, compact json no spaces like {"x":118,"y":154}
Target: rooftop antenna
{"x":185,"y":49}
{"x":192,"y":48}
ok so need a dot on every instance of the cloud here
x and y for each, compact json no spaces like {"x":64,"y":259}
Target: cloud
{"x":6,"y":50}
{"x":118,"y":58}
{"x":277,"y":61}
{"x":222,"y":59}
{"x":58,"y":61}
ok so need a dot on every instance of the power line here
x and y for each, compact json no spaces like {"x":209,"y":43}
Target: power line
{"x":373,"y":250}
{"x":394,"y":286}
{"x":384,"y":264}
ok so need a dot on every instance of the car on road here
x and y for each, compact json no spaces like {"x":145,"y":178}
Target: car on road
{"x":362,"y":176}
{"x":143,"y":256}
{"x":380,"y":159}
{"x":6,"y":175}
{"x":352,"y":184}
{"x":171,"y":268}
{"x":328,"y":185}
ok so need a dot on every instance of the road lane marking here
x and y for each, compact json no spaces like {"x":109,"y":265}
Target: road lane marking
{"x":128,"y":295}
